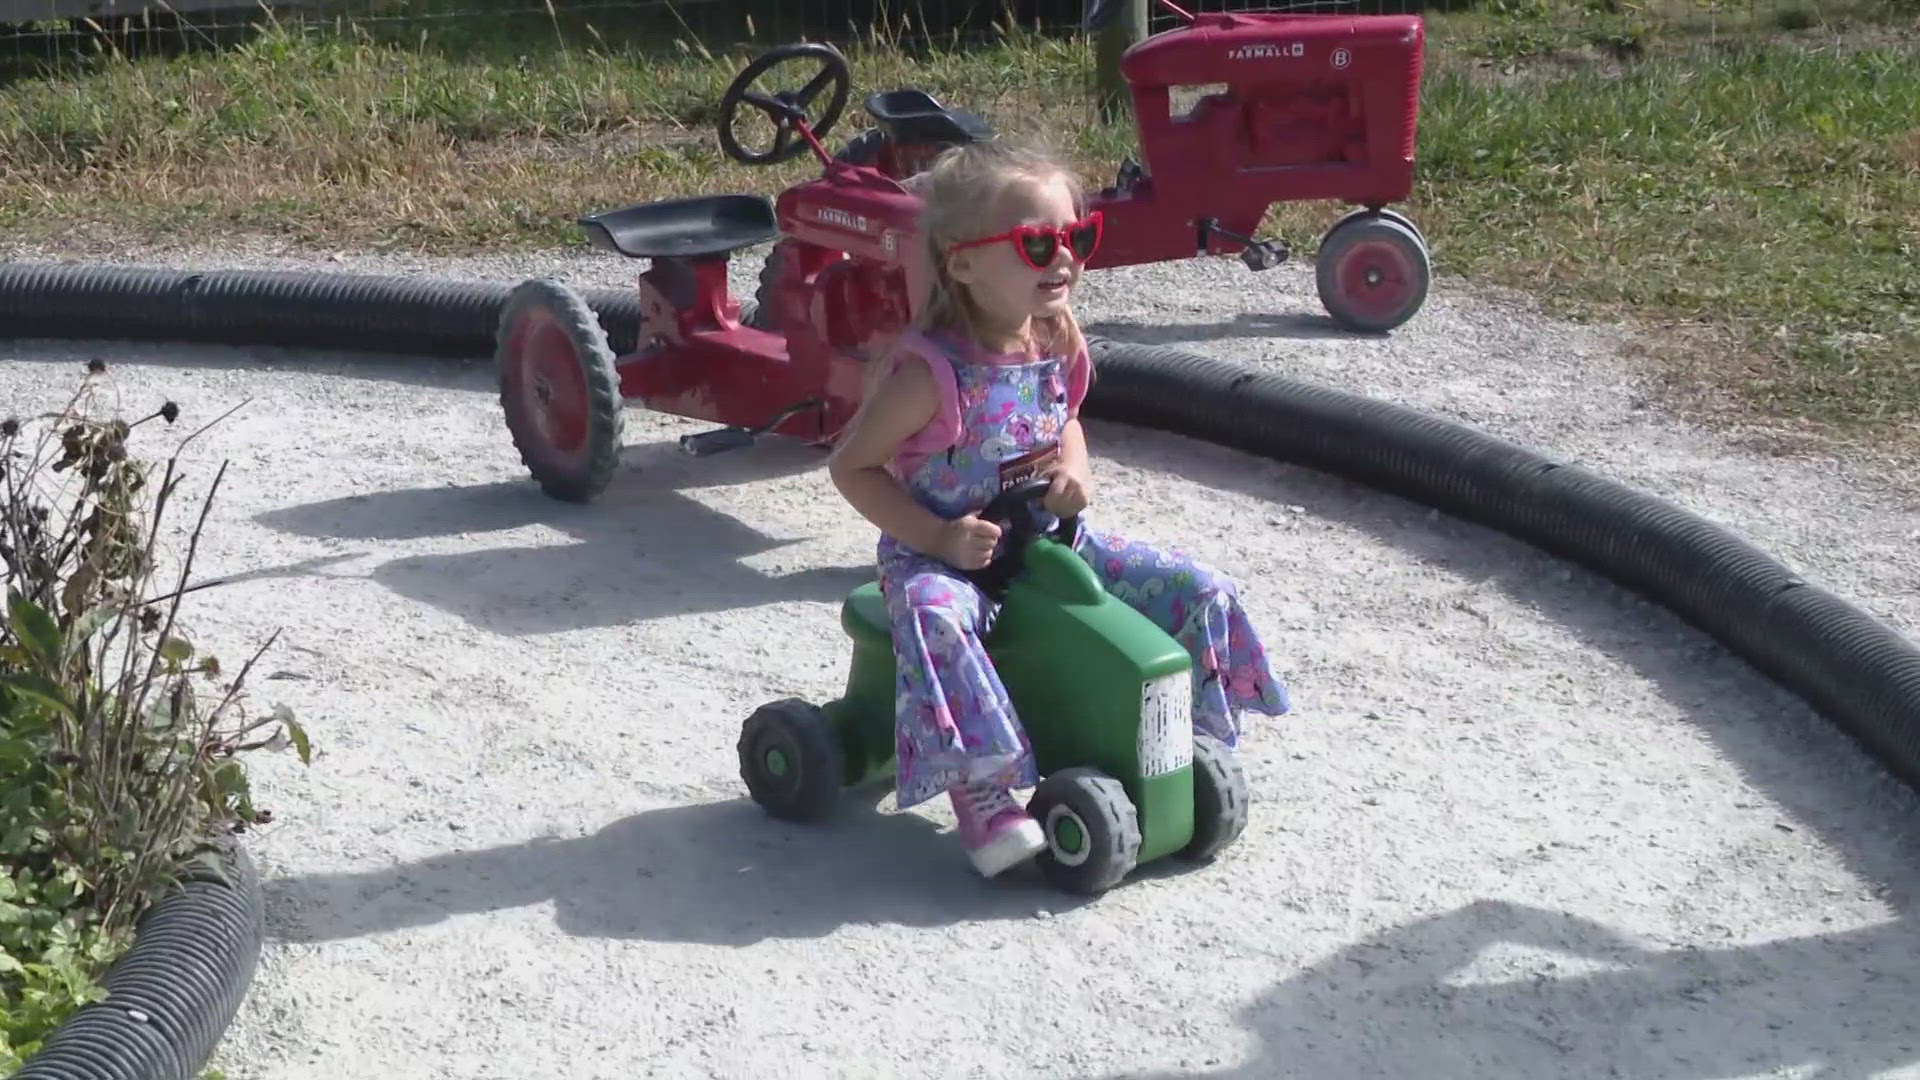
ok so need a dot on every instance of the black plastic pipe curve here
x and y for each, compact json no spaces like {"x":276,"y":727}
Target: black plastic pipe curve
{"x":1861,"y":673}
{"x":172,"y":994}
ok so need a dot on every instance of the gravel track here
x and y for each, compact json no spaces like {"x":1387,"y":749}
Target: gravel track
{"x":1520,"y":824}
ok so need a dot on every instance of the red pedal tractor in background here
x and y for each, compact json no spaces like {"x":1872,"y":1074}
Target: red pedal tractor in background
{"x":844,"y":294}
{"x":1302,"y":107}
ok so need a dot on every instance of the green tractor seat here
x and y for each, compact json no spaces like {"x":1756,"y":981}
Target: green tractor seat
{"x":864,"y":617}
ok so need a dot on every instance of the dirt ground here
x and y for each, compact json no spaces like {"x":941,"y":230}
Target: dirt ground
{"x":1519,"y":824}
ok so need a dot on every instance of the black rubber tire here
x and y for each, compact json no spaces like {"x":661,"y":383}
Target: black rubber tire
{"x":1390,"y":214}
{"x":862,"y":149}
{"x":580,"y":476}
{"x":1370,"y":228}
{"x":1219,"y":799}
{"x":1108,"y":823}
{"x":816,"y":775}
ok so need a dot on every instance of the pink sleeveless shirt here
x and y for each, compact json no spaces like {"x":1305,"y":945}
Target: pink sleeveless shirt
{"x":940,"y":354}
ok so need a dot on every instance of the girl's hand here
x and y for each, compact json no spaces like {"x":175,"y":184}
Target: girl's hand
{"x":1069,"y":494}
{"x":967,"y":543}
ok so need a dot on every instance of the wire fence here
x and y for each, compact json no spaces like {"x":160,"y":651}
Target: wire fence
{"x":40,"y":37}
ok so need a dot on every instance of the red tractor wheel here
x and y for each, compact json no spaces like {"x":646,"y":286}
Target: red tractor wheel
{"x":1373,"y":272}
{"x":559,"y":389}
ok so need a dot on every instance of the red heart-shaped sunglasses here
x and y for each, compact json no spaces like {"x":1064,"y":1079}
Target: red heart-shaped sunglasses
{"x":1038,"y":244}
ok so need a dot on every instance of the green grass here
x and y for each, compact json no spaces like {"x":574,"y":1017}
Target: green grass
{"x":1746,"y":180}
{"x":1767,"y":190}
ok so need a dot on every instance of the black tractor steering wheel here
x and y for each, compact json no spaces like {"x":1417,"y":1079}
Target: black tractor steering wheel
{"x":1012,"y":510}
{"x":787,"y":106}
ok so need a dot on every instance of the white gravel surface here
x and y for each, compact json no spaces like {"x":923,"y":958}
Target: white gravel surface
{"x":1520,"y":824}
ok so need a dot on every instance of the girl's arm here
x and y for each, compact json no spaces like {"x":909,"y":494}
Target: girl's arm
{"x":902,"y":403}
{"x":1073,"y":452}
{"x":1072,"y":475}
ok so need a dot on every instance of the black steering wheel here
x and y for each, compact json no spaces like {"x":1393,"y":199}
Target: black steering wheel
{"x":786,"y":106}
{"x":1012,"y":510}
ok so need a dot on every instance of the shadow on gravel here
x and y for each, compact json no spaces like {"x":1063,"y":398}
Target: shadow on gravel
{"x":1838,"y":1004}
{"x":66,"y":359}
{"x":642,"y":550}
{"x":712,"y":873}
{"x":1830,"y":1005}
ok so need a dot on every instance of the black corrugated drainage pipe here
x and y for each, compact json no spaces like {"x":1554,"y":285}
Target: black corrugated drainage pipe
{"x":1858,"y":671}
{"x":172,"y":994}
{"x":1861,"y":673}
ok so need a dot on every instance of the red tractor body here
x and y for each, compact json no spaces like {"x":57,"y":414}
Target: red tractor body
{"x":1297,"y":107}
{"x":845,"y":293}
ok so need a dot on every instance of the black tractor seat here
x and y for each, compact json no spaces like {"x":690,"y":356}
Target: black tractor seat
{"x":708,"y":225}
{"x":912,"y":116}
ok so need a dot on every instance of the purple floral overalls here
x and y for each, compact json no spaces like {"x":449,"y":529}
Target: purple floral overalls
{"x":1003,"y":417}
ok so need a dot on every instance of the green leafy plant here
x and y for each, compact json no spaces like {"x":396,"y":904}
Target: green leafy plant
{"x":120,"y":742}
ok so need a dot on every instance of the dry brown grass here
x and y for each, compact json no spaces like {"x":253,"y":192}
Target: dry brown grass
{"x":1675,"y":175}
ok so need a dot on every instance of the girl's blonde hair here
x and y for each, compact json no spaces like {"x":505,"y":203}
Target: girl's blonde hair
{"x":957,"y":191}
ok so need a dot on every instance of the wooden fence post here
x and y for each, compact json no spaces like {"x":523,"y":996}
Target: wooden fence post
{"x":1129,"y":25}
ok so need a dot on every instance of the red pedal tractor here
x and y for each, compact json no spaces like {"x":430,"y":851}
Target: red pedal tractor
{"x":1302,"y":107}
{"x":841,"y":296}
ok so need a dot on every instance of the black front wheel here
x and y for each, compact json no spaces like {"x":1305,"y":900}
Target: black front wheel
{"x":790,"y":760}
{"x":1092,"y":829}
{"x":1372,"y":272}
{"x":1219,"y":799}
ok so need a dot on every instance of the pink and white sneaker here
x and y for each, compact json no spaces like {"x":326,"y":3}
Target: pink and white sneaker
{"x":996,"y":831}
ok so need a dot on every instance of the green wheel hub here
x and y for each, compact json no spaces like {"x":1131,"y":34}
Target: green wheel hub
{"x":1069,"y":836}
{"x":777,"y":763}
{"x":1092,"y":829}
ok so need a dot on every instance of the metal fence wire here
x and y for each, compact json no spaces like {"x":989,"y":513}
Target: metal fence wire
{"x":39,"y":37}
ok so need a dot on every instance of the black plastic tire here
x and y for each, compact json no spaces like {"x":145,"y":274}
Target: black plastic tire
{"x":790,"y":760}
{"x":533,"y":315}
{"x":1380,"y":246}
{"x":1219,"y":799}
{"x":862,"y":149}
{"x":1391,"y":215}
{"x":1107,"y":845}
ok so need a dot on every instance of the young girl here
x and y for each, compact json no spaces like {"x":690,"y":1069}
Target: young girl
{"x":983,"y":393}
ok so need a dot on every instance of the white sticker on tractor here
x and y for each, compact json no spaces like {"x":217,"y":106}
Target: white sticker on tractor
{"x":1268,"y":50}
{"x":1166,"y":724}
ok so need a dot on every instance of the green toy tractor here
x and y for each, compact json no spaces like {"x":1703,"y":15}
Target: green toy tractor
{"x":1104,"y":694}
